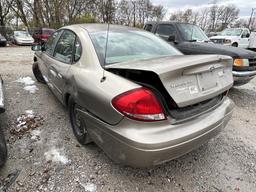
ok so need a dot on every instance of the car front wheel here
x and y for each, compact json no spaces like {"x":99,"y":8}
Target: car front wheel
{"x":37,"y":73}
{"x":3,"y":149}
{"x":78,"y":124}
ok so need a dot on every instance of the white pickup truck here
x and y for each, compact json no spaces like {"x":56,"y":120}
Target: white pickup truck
{"x":237,"y":37}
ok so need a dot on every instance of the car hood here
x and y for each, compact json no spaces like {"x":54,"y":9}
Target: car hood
{"x":224,"y":37}
{"x":190,"y":48}
{"x":187,"y":79}
{"x":24,"y":38}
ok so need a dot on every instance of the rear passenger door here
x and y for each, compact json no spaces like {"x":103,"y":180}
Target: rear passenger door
{"x":63,"y":57}
{"x":45,"y":58}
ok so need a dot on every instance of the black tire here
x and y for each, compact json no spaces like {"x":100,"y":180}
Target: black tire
{"x":77,"y":123}
{"x":37,"y":73}
{"x":234,"y":45}
{"x":3,"y":150}
{"x":3,"y":44}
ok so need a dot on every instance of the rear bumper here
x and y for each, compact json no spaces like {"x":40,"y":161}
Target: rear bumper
{"x":242,"y":77}
{"x":2,"y":109}
{"x":141,"y":144}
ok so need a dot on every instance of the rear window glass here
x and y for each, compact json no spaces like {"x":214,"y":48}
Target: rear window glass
{"x":48,"y":32}
{"x":130,"y":45}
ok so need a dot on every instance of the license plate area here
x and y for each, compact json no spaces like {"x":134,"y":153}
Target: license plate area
{"x":207,"y":80}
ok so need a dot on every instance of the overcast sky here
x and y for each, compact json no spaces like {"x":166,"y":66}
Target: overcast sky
{"x":245,"y":6}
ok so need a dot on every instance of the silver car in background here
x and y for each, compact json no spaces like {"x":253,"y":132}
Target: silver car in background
{"x":133,"y":94}
{"x":22,"y":38}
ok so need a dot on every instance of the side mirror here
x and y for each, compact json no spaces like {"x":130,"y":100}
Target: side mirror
{"x":36,"y":48}
{"x":171,"y":38}
{"x":247,"y":35}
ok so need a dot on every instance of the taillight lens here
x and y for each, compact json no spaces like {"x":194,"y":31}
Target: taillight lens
{"x":139,"y":104}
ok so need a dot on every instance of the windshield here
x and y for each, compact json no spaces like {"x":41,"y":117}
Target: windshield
{"x":192,"y":33}
{"x":231,"y":32}
{"x":130,"y":45}
{"x":21,"y":34}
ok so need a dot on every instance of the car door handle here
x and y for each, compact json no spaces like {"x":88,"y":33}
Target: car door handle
{"x":60,"y":76}
{"x":53,"y":72}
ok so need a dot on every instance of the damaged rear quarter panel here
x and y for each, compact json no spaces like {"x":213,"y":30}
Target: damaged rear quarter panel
{"x":96,"y":96}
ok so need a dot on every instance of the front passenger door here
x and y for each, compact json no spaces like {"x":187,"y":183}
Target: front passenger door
{"x":63,"y":58}
{"x":244,"y":39}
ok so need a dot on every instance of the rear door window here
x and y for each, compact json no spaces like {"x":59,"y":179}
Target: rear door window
{"x":78,"y":50}
{"x":64,"y":48}
{"x":49,"y":47}
{"x":245,"y":33}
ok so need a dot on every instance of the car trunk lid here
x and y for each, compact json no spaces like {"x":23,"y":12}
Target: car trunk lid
{"x":188,"y":79}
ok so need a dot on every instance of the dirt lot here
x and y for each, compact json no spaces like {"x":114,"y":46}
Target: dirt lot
{"x":48,"y":158}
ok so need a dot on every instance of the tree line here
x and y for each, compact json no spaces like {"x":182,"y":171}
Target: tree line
{"x":214,"y":17}
{"x":57,"y":13}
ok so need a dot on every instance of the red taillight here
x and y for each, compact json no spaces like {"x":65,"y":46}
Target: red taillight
{"x":139,"y":104}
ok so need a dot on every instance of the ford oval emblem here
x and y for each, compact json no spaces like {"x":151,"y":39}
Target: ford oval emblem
{"x":212,"y":68}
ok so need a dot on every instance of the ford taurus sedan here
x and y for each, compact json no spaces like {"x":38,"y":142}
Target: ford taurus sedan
{"x":133,"y":94}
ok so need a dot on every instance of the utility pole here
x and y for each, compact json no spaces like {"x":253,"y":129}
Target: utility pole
{"x":253,"y":9}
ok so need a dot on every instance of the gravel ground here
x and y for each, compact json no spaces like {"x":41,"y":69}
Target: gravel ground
{"x":48,"y":158}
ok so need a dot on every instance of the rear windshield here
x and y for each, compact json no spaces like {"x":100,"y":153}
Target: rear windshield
{"x":48,"y":32}
{"x":130,"y":45}
{"x":44,"y":31}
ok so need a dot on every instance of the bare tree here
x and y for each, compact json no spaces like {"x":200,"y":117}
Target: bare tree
{"x":124,"y":12}
{"x":158,"y":12}
{"x":5,"y":7}
{"x":203,"y":19}
{"x":229,"y":14}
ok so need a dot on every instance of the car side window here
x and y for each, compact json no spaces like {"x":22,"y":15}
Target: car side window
{"x":166,"y":30}
{"x":64,"y":48}
{"x":78,"y":50}
{"x":49,"y":46}
{"x":245,"y":33}
{"x":148,"y":27}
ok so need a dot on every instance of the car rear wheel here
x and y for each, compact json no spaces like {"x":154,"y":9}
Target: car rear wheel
{"x":37,"y":73}
{"x":234,"y":45}
{"x":3,"y":149}
{"x":78,"y":124}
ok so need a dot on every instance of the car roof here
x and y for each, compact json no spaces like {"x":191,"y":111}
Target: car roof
{"x":102,"y":27}
{"x":236,"y":28}
{"x":20,"y":31}
{"x":166,"y":22}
